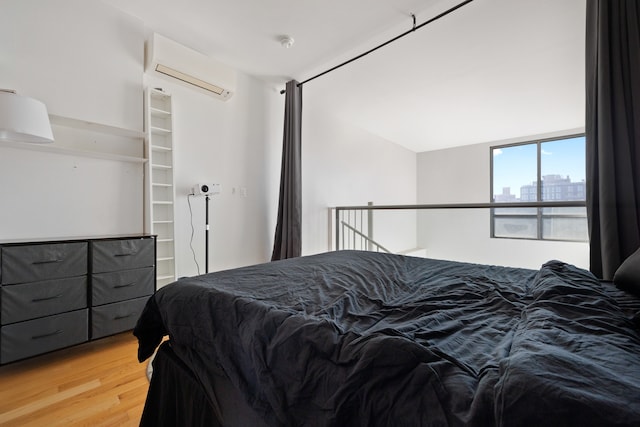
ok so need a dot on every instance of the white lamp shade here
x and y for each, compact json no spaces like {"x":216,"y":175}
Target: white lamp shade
{"x":23,"y":119}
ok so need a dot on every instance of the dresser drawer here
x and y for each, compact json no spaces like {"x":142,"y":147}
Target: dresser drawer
{"x":114,"y":255}
{"x":121,"y":285}
{"x":38,"y":299}
{"x":37,"y":336}
{"x":32,"y":263}
{"x":110,"y":319}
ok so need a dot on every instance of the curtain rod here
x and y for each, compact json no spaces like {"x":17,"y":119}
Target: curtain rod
{"x":435,"y":18}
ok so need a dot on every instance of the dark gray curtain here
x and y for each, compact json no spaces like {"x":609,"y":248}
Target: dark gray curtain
{"x":613,"y":132}
{"x":288,"y":236}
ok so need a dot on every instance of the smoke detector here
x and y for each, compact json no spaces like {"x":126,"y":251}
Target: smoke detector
{"x":286,"y":41}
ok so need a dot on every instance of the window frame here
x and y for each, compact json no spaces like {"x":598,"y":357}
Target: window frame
{"x":539,"y":191}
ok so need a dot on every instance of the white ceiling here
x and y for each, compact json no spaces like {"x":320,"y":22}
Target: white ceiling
{"x":492,"y":70}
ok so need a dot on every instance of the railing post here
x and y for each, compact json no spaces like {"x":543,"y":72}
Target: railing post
{"x":330,"y":232}
{"x":369,"y":225}
{"x":337,"y":229}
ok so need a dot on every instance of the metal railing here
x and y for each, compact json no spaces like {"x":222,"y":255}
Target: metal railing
{"x":359,"y":240}
{"x":351,"y":221}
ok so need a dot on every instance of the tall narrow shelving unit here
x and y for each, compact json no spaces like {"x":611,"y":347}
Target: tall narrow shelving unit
{"x":160,"y":182}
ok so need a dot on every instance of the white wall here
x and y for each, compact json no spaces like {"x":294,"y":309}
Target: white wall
{"x":345,"y":165}
{"x":462,"y":175}
{"x":47,"y":196}
{"x":83,"y":60}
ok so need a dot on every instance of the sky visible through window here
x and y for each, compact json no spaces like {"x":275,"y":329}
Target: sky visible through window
{"x":516,"y":166}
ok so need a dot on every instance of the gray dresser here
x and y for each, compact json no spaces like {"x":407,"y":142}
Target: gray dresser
{"x":56,"y":294}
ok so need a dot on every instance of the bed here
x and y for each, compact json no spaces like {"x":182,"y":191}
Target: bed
{"x":354,"y":338}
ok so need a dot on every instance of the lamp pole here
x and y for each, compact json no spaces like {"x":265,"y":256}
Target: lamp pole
{"x":206,"y":235}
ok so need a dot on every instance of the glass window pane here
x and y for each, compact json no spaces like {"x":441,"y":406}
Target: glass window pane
{"x":562,"y":178}
{"x":520,"y":223}
{"x":562,"y":166}
{"x":515,"y":171}
{"x":565,"y":224}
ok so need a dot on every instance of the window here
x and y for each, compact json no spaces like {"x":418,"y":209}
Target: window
{"x":538,"y":172}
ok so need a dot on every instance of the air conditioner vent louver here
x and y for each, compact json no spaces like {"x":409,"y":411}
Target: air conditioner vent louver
{"x":167,"y":71}
{"x":193,"y":69}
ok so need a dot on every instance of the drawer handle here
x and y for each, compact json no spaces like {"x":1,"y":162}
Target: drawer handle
{"x":47,"y":261}
{"x":126,"y":254}
{"x":37,"y":337}
{"x":46,"y":298}
{"x":124,"y":286}
{"x":123,"y":316}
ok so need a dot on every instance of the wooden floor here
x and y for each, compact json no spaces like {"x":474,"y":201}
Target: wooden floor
{"x":99,"y":383}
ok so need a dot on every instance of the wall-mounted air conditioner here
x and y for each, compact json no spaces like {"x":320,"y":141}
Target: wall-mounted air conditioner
{"x":179,"y":63}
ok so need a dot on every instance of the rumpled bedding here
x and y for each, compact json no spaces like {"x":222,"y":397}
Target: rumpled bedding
{"x":354,"y":338}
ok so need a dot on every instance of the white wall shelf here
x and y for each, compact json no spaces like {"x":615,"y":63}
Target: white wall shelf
{"x":160,"y":191}
{"x":160,"y":148}
{"x":155,"y":129}
{"x":72,"y":152}
{"x":72,"y":139}
{"x":95,"y":127}
{"x":159,"y":112}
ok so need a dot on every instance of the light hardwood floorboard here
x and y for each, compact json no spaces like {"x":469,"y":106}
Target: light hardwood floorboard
{"x":99,"y":383}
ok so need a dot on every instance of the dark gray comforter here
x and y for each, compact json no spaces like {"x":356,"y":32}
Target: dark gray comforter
{"x":367,"y":339}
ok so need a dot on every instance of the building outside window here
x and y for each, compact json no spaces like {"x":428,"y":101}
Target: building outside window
{"x":535,"y":172}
